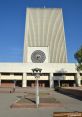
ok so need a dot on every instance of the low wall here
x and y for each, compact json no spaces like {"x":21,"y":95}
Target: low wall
{"x":7,"y":85}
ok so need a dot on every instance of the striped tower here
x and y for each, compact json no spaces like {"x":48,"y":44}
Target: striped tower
{"x":44,"y":31}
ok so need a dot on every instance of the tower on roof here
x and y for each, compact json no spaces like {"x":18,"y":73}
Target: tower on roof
{"x":44,"y":36}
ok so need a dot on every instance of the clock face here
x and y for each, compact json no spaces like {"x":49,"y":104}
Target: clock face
{"x":38,"y":56}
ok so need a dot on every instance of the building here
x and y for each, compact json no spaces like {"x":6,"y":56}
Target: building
{"x":45,"y":48}
{"x":44,"y":31}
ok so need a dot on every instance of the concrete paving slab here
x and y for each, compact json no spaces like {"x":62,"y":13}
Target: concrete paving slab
{"x":6,"y":99}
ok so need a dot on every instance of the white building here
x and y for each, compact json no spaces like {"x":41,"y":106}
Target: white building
{"x":45,"y":48}
{"x":44,"y":31}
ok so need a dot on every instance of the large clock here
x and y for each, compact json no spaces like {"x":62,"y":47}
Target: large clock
{"x":38,"y":56}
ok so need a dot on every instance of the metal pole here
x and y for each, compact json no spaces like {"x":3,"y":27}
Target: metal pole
{"x":37,"y":93}
{"x":37,"y":72}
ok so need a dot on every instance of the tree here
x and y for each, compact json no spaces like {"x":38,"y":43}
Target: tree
{"x":78,"y":57}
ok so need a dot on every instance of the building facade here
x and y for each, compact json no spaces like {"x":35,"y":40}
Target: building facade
{"x":44,"y":31}
{"x":45,"y":48}
{"x":51,"y":74}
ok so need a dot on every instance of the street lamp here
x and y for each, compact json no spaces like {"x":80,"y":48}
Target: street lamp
{"x":36,"y":72}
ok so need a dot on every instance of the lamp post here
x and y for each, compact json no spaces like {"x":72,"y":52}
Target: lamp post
{"x":36,"y":72}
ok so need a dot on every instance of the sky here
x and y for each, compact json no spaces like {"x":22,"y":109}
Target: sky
{"x":12,"y":26}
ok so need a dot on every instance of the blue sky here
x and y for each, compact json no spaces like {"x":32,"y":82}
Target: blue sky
{"x":12,"y":26}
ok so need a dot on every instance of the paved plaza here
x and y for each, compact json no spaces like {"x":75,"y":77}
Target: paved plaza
{"x":6,"y":99}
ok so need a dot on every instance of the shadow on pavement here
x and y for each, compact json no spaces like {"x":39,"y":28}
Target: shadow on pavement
{"x":70,"y":94}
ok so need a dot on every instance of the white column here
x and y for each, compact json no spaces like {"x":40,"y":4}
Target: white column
{"x":12,"y":77}
{"x":59,"y":82}
{"x":24,"y":80}
{"x":0,"y":79}
{"x":78,"y":79}
{"x":51,"y":80}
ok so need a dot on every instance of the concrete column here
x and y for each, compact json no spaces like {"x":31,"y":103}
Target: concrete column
{"x":78,"y":79}
{"x":0,"y":79}
{"x":59,"y":82}
{"x":51,"y":80}
{"x":24,"y":80}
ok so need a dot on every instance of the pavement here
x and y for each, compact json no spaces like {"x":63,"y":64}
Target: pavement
{"x":6,"y":99}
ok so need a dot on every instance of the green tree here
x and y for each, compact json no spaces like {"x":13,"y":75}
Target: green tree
{"x":78,"y":57}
